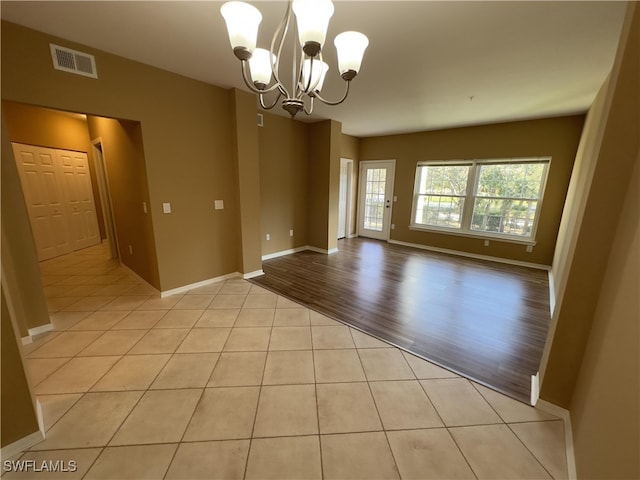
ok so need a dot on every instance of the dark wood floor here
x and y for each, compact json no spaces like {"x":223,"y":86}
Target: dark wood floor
{"x":484,"y":320}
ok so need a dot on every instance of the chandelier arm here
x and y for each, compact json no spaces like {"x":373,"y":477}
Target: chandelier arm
{"x":269,"y":107}
{"x":299,"y":82}
{"x":246,"y":78}
{"x":327,"y":102}
{"x":249,"y":84}
{"x":295,"y":87}
{"x":312,"y":89}
{"x":310,"y":111}
{"x":309,"y":89}
{"x":282,"y":30}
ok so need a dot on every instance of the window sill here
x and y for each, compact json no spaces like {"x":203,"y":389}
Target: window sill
{"x":478,"y":235}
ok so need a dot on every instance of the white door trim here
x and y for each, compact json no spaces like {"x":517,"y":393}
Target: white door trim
{"x":105,"y":195}
{"x":348,"y":208}
{"x":385,"y":234}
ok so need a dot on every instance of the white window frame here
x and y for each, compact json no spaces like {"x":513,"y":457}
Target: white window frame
{"x":473,"y":179}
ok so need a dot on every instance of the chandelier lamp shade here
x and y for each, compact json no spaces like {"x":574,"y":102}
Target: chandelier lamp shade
{"x":261,"y":67}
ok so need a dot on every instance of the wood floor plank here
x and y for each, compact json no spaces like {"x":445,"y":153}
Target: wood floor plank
{"x":485,"y":320}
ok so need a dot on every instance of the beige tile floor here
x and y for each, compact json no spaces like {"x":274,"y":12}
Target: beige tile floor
{"x":232,"y":381}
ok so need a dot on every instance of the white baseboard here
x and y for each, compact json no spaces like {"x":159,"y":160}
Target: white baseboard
{"x":255,"y":273}
{"x":291,"y":251}
{"x":21,"y":445}
{"x":33,"y":332}
{"x":322,"y":250}
{"x":282,"y":253}
{"x":508,"y":261}
{"x":535,"y":388}
{"x":40,"y":415}
{"x":565,"y":415}
{"x":203,"y":283}
{"x":47,"y":327}
{"x":552,"y":293}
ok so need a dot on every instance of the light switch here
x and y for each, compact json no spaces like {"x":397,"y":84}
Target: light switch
{"x":166,"y":208}
{"x":144,"y":207}
{"x":219,"y":204}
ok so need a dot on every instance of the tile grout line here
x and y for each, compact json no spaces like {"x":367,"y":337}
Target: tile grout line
{"x":188,"y":423}
{"x":446,"y":427}
{"x":529,"y":450}
{"x":375,"y":404}
{"x":148,"y":389}
{"x":97,"y":381}
{"x":315,"y":389}
{"x":255,"y":415}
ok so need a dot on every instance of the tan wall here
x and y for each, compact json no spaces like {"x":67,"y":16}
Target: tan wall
{"x":247,"y":157}
{"x":555,"y":137}
{"x":325,"y":145}
{"x":299,"y":181}
{"x":18,"y":418}
{"x":612,"y":155}
{"x":578,"y":192}
{"x":283,"y":183}
{"x":606,"y":399}
{"x":349,"y":146}
{"x":318,"y":184}
{"x":187,"y":136}
{"x":127,"y":179}
{"x":20,"y":268}
{"x":54,"y":129}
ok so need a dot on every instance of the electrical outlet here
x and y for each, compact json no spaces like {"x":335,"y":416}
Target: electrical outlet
{"x":130,"y":250}
{"x":529,"y":248}
{"x":144,"y":207}
{"x":218,"y":204}
{"x":393,"y":226}
{"x":291,"y":232}
{"x":486,"y":243}
{"x":268,"y":236}
{"x":166,"y":208}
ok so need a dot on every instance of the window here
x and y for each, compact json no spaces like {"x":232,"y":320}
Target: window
{"x":483,"y":197}
{"x":441,"y":192}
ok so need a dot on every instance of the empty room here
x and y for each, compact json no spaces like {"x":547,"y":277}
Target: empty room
{"x":315,"y":239}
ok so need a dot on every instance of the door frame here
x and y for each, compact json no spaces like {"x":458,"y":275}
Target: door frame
{"x":348,"y":211}
{"x":105,"y":195}
{"x":386,"y":228}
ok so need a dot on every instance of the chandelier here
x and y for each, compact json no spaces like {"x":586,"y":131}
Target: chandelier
{"x":261,"y":67}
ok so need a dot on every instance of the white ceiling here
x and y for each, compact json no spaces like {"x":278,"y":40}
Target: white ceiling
{"x":429,"y":64}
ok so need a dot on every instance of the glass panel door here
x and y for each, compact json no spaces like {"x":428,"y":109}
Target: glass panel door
{"x":376,"y":192}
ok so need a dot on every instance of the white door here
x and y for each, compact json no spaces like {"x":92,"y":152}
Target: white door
{"x":45,"y":199}
{"x":375,"y":198}
{"x":82,"y":210}
{"x":59,"y":199}
{"x":344,"y":198}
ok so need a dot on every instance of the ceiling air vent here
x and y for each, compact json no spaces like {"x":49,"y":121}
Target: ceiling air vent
{"x":73,"y":61}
